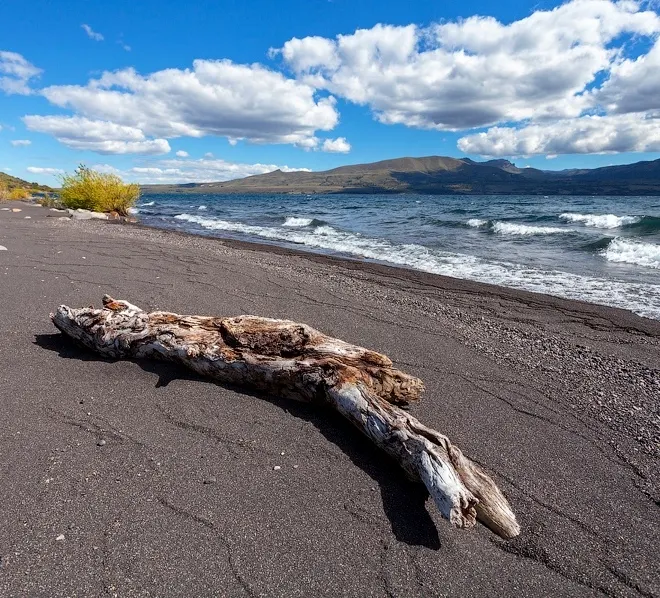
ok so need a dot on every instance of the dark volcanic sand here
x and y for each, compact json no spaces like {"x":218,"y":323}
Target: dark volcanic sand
{"x":557,"y":399}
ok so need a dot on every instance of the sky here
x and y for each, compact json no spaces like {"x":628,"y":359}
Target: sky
{"x":211,"y":90}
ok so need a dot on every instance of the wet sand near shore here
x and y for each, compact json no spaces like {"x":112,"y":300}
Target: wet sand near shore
{"x":139,"y":479}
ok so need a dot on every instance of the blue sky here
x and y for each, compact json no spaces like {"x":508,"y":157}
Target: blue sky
{"x":544,"y":84}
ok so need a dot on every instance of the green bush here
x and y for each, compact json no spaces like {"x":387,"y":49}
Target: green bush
{"x":18,"y":193}
{"x":4,"y":191}
{"x":98,"y":192}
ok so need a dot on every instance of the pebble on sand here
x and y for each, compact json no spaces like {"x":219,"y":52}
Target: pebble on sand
{"x":3,"y":248}
{"x":59,"y":538}
{"x":276,"y":468}
{"x":101,"y":442}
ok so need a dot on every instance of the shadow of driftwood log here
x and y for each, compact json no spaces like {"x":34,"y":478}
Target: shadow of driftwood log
{"x":404,"y":502}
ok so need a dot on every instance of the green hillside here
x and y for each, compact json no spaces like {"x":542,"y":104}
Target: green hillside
{"x":12,"y":182}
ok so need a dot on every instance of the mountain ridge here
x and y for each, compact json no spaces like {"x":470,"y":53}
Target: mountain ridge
{"x":441,"y":175}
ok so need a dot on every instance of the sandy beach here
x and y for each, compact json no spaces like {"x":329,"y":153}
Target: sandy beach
{"x":139,"y":479}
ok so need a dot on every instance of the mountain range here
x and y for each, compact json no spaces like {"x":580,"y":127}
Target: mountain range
{"x":442,"y":175}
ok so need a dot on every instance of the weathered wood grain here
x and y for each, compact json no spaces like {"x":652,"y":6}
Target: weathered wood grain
{"x":296,"y":361}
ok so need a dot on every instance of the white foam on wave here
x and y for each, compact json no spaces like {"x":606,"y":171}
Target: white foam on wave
{"x":476,"y":222}
{"x":202,"y":208}
{"x":150,"y":203}
{"x":133,"y":211}
{"x":295,"y":222}
{"x":509,"y":228}
{"x":633,"y":252}
{"x":600,"y":220}
{"x":641,"y":298}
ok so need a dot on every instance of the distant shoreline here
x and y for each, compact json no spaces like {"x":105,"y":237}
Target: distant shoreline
{"x":440,"y":175}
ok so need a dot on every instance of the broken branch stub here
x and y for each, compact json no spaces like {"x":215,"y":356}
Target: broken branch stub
{"x":296,"y":361}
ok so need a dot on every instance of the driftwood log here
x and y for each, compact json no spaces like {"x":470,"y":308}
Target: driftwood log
{"x":296,"y":361}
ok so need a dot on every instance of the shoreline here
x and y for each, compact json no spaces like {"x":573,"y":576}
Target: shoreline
{"x":620,"y":315}
{"x":556,"y":399}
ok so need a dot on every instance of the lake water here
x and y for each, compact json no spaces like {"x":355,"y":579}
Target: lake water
{"x":599,"y":249}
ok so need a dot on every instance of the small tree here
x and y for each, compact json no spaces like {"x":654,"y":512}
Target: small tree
{"x":97,"y":191}
{"x":4,"y":191}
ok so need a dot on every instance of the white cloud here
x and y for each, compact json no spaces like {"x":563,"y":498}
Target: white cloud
{"x":182,"y":154}
{"x":203,"y":170}
{"x":339,"y":145}
{"x":213,"y":98}
{"x":584,"y":135}
{"x":41,"y":170}
{"x":99,"y":136}
{"x":308,"y":53}
{"x":473,"y":72}
{"x":97,"y":37}
{"x":20,"y":142}
{"x":633,"y":84}
{"x":107,"y":168}
{"x":15,"y":73}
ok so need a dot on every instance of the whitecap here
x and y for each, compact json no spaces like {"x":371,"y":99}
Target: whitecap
{"x":510,"y":228}
{"x":150,"y":203}
{"x":133,"y":211}
{"x":202,"y":208}
{"x":600,"y":220}
{"x":633,"y":252}
{"x":296,"y":222}
{"x":476,"y":222}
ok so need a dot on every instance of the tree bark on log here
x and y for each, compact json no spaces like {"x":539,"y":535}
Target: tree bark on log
{"x":296,"y":361}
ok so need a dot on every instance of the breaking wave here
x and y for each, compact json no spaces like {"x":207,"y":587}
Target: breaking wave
{"x":477,"y":222}
{"x":295,"y":222}
{"x":509,"y":228}
{"x":633,"y":252}
{"x":641,"y":298}
{"x":600,"y":220}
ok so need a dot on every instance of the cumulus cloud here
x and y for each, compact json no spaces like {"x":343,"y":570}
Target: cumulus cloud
{"x":215,"y":97}
{"x":473,"y":72}
{"x":103,"y":137}
{"x":16,"y":73}
{"x":42,"y":170}
{"x":182,"y":154}
{"x":591,"y":134}
{"x":204,"y":170}
{"x":20,"y":142}
{"x":97,"y":37}
{"x":633,"y":84}
{"x":339,"y":145}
